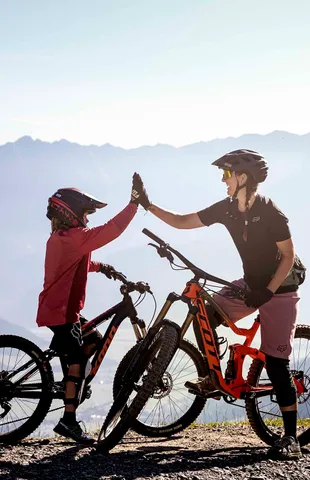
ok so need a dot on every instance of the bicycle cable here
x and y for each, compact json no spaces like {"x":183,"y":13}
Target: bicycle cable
{"x":155,"y":308}
{"x":139,"y":299}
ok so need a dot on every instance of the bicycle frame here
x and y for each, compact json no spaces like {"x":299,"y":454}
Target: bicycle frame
{"x":119,"y":313}
{"x":232,"y":385}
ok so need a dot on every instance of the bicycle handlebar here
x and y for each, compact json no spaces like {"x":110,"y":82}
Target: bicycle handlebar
{"x":140,"y":287}
{"x":164,"y":251}
{"x":154,"y":237}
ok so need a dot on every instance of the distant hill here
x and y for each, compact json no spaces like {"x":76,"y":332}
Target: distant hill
{"x":8,"y":328}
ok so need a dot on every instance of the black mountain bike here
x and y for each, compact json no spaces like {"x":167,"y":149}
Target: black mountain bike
{"x":169,"y":406}
{"x":27,"y":386}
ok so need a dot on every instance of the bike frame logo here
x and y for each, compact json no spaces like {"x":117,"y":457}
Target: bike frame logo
{"x":103,"y":351}
{"x":208,"y":340}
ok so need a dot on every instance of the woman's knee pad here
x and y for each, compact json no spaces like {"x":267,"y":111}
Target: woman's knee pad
{"x":279,"y":373}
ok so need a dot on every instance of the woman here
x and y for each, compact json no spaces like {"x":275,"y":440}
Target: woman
{"x":262,"y":236}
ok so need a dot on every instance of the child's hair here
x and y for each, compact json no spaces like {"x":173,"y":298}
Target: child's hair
{"x":57,"y":224}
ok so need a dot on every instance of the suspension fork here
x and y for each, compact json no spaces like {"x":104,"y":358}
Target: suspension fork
{"x":165,"y":308}
{"x":192,"y":312}
{"x":172,"y":298}
{"x":137,"y":324}
{"x":139,"y":329}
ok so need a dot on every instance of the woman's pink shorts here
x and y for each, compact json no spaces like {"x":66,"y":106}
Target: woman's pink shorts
{"x":278,"y":319}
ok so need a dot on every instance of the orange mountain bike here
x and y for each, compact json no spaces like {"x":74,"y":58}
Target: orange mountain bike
{"x":171,"y":407}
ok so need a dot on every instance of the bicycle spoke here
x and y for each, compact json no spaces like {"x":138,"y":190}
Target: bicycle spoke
{"x":184,"y":367}
{"x":19,"y":370}
{"x":170,"y":367}
{"x":269,"y":420}
{"x":167,"y":405}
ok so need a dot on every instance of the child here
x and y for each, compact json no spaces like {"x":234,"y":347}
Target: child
{"x":67,"y":263}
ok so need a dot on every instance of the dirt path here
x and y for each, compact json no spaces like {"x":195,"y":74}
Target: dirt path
{"x":198,"y":453}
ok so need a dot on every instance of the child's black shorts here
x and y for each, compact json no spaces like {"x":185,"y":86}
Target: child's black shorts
{"x":68,"y":340}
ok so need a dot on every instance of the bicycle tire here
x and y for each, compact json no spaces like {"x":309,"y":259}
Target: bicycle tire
{"x":169,"y":338}
{"x":132,"y":374}
{"x":191,"y":414}
{"x":255,"y":419}
{"x":47,"y":379}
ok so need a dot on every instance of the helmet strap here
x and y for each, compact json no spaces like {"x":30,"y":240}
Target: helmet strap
{"x":238,"y":188}
{"x":245,"y":230}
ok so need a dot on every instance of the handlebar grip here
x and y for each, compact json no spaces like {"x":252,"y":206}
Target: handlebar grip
{"x":120,"y":276}
{"x":153,"y":236}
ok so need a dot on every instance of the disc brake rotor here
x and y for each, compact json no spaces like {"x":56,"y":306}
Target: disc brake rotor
{"x":165,"y":388}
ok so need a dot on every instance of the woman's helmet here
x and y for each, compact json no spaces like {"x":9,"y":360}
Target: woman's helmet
{"x":244,"y":161}
{"x":71,"y":205}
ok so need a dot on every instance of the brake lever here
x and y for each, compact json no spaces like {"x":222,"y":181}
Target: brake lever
{"x":143,"y":287}
{"x":154,"y":245}
{"x":118,"y":276}
{"x":163,"y":252}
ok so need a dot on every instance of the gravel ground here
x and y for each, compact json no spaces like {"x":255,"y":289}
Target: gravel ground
{"x":201,"y":452}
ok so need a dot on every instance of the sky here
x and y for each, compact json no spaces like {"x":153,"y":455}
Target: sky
{"x":142,"y":72}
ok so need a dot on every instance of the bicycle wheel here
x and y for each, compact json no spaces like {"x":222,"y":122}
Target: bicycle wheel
{"x":170,"y":408}
{"x":150,"y":368}
{"x":26,"y":381}
{"x":264,"y":413}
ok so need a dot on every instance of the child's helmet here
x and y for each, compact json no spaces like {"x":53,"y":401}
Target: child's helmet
{"x":70,"y":205}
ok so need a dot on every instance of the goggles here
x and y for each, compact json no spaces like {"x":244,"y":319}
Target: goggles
{"x":226,"y":174}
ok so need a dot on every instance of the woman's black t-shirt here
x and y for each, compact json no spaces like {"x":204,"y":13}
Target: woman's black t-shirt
{"x":266,"y":226}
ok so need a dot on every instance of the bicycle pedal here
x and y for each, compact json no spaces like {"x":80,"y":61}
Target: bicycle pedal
{"x":59,"y":389}
{"x":216,"y":395}
{"x":197,"y":394}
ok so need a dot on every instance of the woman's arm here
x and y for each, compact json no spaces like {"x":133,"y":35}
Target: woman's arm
{"x":176,"y":220}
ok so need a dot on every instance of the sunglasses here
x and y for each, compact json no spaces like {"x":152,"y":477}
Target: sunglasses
{"x":226,"y":174}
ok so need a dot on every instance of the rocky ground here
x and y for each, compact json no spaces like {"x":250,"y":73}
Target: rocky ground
{"x":198,"y":453}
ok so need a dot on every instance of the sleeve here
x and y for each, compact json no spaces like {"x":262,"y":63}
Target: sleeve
{"x":278,"y":223}
{"x":215,"y":213}
{"x":90,"y":239}
{"x":94,"y":266}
